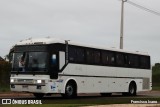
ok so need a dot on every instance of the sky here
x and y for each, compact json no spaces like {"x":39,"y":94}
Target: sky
{"x":95,"y":22}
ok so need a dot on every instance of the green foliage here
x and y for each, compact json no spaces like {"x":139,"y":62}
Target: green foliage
{"x":156,"y":74}
{"x":156,"y":69}
{"x":5,"y":68}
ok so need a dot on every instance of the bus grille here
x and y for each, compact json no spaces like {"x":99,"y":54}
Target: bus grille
{"x":25,"y":81}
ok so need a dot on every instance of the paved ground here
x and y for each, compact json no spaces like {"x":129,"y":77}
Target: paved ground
{"x":24,"y":95}
{"x":90,"y":98}
{"x":150,"y":93}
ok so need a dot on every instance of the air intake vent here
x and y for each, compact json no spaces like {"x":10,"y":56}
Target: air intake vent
{"x":145,"y":83}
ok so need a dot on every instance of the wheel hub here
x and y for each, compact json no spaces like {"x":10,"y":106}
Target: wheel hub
{"x":69,"y":90}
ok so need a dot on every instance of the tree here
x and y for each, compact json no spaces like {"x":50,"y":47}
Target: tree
{"x":7,"y":57}
{"x":156,"y":69}
{"x":1,"y":59}
{"x":156,"y":74}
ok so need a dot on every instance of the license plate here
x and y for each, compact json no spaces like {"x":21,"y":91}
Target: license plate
{"x":25,"y":86}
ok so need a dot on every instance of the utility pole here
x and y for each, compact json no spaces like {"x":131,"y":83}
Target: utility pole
{"x":121,"y":28}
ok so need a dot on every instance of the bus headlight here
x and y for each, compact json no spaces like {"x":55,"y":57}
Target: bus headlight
{"x":11,"y":80}
{"x":40,"y":81}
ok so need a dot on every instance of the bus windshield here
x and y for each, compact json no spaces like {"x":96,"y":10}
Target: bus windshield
{"x":29,"y":61}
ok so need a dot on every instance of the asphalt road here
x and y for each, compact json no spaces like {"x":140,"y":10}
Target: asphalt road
{"x":86,"y":98}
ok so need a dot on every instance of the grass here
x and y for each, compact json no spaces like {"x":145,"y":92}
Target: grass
{"x":4,"y":89}
{"x":156,"y":88}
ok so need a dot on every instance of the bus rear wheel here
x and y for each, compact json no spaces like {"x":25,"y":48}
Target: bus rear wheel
{"x":132,"y":89}
{"x":70,"y":90}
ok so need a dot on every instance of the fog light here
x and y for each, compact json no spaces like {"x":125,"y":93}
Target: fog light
{"x":39,"y":87}
{"x":12,"y":86}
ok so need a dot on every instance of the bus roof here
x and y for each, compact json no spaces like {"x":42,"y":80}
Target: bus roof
{"x":49,"y":40}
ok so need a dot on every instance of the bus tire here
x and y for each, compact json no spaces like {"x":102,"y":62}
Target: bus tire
{"x":106,"y":94}
{"x":70,"y":90}
{"x":132,"y":89}
{"x":38,"y":95}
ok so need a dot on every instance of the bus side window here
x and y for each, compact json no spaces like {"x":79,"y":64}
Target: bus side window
{"x":145,"y":62}
{"x":97,"y":57}
{"x":120,"y":59}
{"x":108,"y":58}
{"x":133,"y":61}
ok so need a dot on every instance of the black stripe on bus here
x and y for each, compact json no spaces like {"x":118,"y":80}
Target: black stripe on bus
{"x":98,"y":76}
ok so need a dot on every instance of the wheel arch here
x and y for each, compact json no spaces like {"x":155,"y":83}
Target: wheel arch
{"x":72,"y":80}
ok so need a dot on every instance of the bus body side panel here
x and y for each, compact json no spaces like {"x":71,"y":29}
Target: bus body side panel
{"x":93,"y":79}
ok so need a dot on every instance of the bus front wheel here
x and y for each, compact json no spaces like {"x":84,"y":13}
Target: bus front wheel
{"x":70,"y":90}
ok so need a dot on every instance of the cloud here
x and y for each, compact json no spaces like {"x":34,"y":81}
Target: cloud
{"x":91,"y":21}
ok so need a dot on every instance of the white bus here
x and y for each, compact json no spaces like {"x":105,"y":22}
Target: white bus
{"x":48,"y":65}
